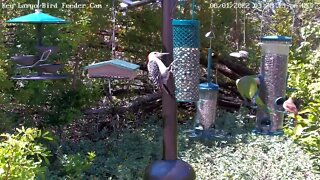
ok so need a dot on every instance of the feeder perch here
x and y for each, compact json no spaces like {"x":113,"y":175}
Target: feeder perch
{"x":274,"y":65}
{"x":115,"y":69}
{"x":44,"y":71}
{"x":186,"y":57}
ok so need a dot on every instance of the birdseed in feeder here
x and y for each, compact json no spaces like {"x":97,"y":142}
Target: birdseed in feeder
{"x":274,"y":72}
{"x":186,"y":72}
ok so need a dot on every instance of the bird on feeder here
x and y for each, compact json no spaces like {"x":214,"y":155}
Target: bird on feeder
{"x":290,"y":107}
{"x":158,"y":72}
{"x":248,"y":87}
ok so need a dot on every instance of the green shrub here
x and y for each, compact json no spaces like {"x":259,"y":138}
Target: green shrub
{"x":66,"y":106}
{"x":72,"y":166}
{"x":307,"y":131}
{"x":259,"y":158}
{"x":21,"y":156}
{"x":240,"y":156}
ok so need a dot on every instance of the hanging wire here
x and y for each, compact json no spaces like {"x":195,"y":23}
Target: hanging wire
{"x":181,"y":4}
{"x":211,"y":29}
{"x":113,"y":29}
{"x":114,"y":13}
{"x":211,"y":25}
{"x":244,"y":29}
{"x":193,"y":7}
{"x":38,"y":7}
{"x":273,"y":6}
{"x":236,"y":28}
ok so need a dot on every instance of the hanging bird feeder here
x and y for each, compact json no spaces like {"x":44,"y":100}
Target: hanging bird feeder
{"x":274,"y":65}
{"x":186,"y":57}
{"x":113,"y":69}
{"x":36,"y":62}
{"x":207,"y":104}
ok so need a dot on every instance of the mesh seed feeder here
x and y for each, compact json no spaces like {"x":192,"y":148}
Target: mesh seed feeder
{"x":186,"y":57}
{"x":273,"y":68}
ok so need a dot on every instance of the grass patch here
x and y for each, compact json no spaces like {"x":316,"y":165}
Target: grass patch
{"x":240,"y":156}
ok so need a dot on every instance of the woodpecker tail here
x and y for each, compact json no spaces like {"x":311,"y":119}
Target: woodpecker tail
{"x":166,"y":89}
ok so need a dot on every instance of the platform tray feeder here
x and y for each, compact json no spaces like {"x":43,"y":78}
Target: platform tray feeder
{"x":32,"y":62}
{"x":45,"y":71}
{"x":113,"y":69}
{"x":274,"y":65}
{"x":37,"y":77}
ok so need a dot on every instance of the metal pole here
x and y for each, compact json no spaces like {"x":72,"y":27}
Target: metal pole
{"x":39,"y":34}
{"x":170,"y":168}
{"x":209,"y":65}
{"x":169,"y":105}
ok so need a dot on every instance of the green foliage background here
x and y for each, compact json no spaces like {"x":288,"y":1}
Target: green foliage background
{"x":80,"y":43}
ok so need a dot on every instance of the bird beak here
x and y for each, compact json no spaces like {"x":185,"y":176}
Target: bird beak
{"x":161,"y":54}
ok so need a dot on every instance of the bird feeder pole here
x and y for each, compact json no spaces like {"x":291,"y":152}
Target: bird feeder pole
{"x":170,"y":167}
{"x":169,"y":104}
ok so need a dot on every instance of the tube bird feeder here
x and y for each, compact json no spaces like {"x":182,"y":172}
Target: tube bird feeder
{"x":274,"y":65}
{"x":186,"y":55}
{"x":273,"y":70}
{"x":208,"y":96}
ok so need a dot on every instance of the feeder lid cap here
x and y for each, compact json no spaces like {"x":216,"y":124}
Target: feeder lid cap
{"x":208,"y":86}
{"x":276,"y":38}
{"x":37,"y":17}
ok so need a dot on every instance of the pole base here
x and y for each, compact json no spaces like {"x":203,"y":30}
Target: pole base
{"x":169,"y":170}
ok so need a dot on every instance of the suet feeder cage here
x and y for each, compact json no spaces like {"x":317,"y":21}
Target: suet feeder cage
{"x":186,"y":55}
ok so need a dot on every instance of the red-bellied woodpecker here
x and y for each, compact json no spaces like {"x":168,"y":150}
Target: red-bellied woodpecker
{"x":158,"y":72}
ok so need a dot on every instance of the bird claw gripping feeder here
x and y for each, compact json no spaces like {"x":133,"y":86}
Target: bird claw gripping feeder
{"x":274,"y":65}
{"x":186,"y":57}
